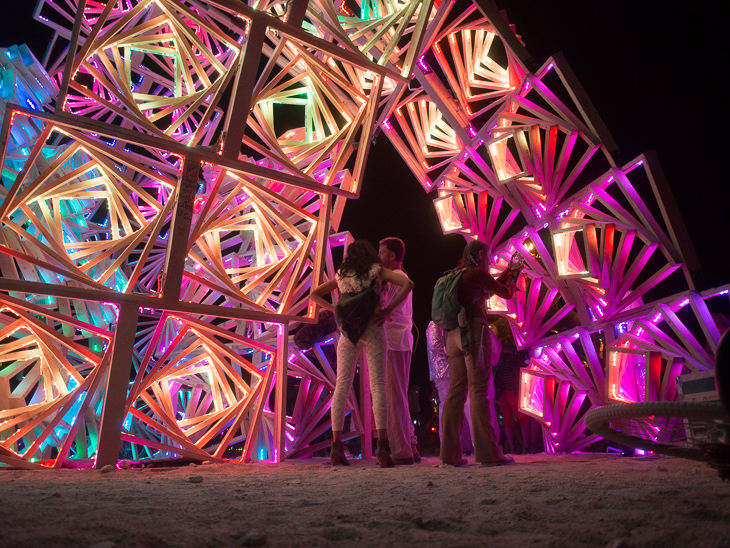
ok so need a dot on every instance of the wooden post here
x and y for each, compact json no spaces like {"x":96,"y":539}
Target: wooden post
{"x":244,"y":85}
{"x":72,"y":47}
{"x":282,"y":353}
{"x":297,"y":12}
{"x":180,"y":231}
{"x":112,"y":416}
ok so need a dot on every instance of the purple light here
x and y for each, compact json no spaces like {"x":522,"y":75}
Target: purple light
{"x":423,"y":65}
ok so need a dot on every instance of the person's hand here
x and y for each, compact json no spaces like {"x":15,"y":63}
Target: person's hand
{"x":382,"y":316}
{"x":513,"y":275}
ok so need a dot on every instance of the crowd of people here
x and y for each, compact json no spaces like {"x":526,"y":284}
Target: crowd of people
{"x":374,"y":312}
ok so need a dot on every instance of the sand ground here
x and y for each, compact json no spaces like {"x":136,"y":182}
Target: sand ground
{"x":542,"y":500}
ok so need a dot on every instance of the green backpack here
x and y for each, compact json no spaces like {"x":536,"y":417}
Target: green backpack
{"x":445,"y":307}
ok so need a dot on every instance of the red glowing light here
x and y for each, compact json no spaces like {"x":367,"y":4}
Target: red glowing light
{"x":198,"y":204}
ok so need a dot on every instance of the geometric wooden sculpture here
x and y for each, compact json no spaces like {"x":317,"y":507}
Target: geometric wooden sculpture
{"x":186,"y":176}
{"x":172,"y":185}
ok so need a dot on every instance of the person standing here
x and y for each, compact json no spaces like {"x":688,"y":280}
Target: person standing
{"x":469,"y":352}
{"x":359,"y":317}
{"x":438,"y":372}
{"x":399,"y":340}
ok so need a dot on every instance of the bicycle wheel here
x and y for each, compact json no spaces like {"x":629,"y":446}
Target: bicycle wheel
{"x":690,"y":430}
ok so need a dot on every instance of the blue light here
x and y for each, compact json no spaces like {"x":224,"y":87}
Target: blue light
{"x":31,"y":104}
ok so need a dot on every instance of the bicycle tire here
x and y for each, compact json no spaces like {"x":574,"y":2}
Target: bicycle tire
{"x":597,"y":421}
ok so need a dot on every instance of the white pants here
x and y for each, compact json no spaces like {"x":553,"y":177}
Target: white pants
{"x":373,"y":339}
{"x":400,"y":427}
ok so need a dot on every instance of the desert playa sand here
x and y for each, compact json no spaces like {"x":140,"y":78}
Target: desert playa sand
{"x":543,"y":500}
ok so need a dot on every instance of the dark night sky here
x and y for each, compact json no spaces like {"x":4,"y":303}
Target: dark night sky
{"x":650,"y":69}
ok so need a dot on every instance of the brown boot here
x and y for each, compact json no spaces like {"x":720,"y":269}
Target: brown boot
{"x":337,"y":454}
{"x":383,"y":454}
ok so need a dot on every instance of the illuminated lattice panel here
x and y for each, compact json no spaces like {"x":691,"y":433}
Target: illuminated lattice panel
{"x":624,"y":250}
{"x":424,"y":138}
{"x":54,"y":358}
{"x":389,"y":32}
{"x":537,"y":147}
{"x":480,"y":70}
{"x":161,"y":67}
{"x":475,"y":73}
{"x":632,"y":374}
{"x":84,"y":210}
{"x":325,"y":106}
{"x":23,"y":80}
{"x":199,"y":390}
{"x":59,"y":15}
{"x":451,"y":212}
{"x":690,"y":327}
{"x":536,"y":394}
{"x":252,"y":242}
{"x":571,"y":253}
{"x":508,"y":152}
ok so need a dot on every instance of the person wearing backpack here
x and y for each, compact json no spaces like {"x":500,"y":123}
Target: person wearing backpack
{"x":360,"y":318}
{"x":469,"y":349}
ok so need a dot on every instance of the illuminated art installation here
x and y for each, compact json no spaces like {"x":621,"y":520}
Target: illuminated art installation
{"x":172,"y":187}
{"x":519,"y":159}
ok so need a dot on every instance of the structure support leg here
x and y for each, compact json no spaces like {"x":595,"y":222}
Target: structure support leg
{"x":112,"y":416}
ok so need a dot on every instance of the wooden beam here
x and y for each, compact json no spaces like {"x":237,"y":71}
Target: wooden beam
{"x":282,"y":359}
{"x":180,"y":231}
{"x":112,"y":416}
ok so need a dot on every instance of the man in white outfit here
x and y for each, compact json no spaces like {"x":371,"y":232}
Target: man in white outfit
{"x":399,"y":339}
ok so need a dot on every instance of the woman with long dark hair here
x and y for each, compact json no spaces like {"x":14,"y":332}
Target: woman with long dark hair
{"x":469,"y":354}
{"x":360,"y":319}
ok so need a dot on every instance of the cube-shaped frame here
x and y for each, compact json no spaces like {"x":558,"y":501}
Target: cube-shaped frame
{"x":536,"y":394}
{"x":644,"y":367}
{"x":572,"y":256}
{"x":451,"y":212}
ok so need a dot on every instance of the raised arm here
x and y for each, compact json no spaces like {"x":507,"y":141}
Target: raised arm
{"x":318,"y":293}
{"x":502,"y":286}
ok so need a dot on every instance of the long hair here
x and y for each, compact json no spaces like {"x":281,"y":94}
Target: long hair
{"x":359,"y":258}
{"x":470,"y":258}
